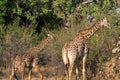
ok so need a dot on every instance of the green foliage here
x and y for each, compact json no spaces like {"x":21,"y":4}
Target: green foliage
{"x":50,"y":21}
{"x":2,"y":10}
{"x":27,"y":12}
{"x":62,"y":7}
{"x":91,"y":9}
{"x":15,"y":39}
{"x":102,"y":58}
{"x":106,"y":4}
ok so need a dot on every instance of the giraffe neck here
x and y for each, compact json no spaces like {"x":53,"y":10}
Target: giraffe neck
{"x":91,"y":31}
{"x":34,"y":50}
{"x":42,"y":44}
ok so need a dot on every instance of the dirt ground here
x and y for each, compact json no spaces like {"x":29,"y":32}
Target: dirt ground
{"x":53,"y":69}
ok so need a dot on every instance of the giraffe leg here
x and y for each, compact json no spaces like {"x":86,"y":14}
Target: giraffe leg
{"x":13,"y":75}
{"x":77,"y":70}
{"x":67,"y":75}
{"x":84,"y":63}
{"x":66,"y":71}
{"x":22,"y":72}
{"x":30,"y":72}
{"x":39,"y":72}
{"x":70,"y":71}
{"x":22,"y":75}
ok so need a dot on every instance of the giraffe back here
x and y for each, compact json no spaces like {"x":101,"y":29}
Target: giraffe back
{"x":35,"y":49}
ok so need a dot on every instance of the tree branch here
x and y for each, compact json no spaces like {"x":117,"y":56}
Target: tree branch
{"x":88,"y":1}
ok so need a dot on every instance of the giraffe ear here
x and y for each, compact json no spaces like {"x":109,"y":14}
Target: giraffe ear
{"x":105,"y":23}
{"x":49,"y":35}
{"x":104,"y":20}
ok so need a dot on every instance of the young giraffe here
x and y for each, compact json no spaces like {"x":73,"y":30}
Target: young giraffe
{"x":29,"y":60}
{"x":76,"y":48}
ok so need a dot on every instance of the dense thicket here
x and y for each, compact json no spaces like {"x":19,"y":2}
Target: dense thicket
{"x":44,"y":13}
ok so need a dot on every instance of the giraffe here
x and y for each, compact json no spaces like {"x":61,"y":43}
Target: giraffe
{"x":29,"y":60}
{"x":76,"y":49}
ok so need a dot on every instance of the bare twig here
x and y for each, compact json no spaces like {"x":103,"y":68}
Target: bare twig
{"x":88,"y":1}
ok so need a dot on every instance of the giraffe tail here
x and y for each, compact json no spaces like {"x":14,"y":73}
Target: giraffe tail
{"x":65,"y":57}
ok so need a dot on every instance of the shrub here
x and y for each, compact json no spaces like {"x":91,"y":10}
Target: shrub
{"x":15,"y":40}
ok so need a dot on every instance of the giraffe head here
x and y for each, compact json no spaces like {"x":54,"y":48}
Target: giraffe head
{"x":49,"y":35}
{"x":105,"y":23}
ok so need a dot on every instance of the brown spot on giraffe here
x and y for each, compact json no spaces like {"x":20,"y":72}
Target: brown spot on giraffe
{"x":76,"y":49}
{"x":29,"y":60}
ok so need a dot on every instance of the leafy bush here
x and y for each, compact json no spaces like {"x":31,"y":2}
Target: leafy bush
{"x":15,"y":40}
{"x":91,"y":9}
{"x":2,"y":11}
{"x":106,"y":4}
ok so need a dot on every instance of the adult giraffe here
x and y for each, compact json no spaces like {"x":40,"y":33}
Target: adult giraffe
{"x":76,"y":48}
